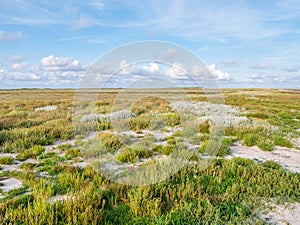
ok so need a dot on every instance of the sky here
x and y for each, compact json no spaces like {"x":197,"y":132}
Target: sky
{"x":246,"y":43}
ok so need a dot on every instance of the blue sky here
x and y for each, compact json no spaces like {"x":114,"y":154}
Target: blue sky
{"x":247,"y":43}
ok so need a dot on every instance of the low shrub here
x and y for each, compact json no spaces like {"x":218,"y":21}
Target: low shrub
{"x":110,"y":141}
{"x":171,"y":119}
{"x":166,"y":150}
{"x":204,"y":127}
{"x":7,"y":160}
{"x":266,"y":145}
{"x":33,"y":152}
{"x":131,"y":155}
{"x":281,"y":141}
{"x":272,"y":165}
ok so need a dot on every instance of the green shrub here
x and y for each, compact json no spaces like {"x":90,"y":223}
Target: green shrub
{"x":272,"y":165}
{"x":64,"y":147}
{"x":250,"y":139}
{"x":130,"y":155}
{"x":281,"y":141}
{"x":223,"y":150}
{"x":266,"y":145}
{"x":103,"y":125}
{"x":171,"y":119}
{"x":72,"y":153}
{"x":166,"y":150}
{"x":34,"y":152}
{"x":110,"y":141}
{"x":204,"y":127}
{"x":7,"y":160}
{"x":139,"y":123}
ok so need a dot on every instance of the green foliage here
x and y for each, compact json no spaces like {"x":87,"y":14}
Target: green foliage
{"x":279,"y":140}
{"x":212,"y":147}
{"x":7,"y":160}
{"x":131,"y":155}
{"x":110,"y":141}
{"x":266,"y":145}
{"x":103,"y":125}
{"x":204,"y":127}
{"x":34,"y":152}
{"x":166,"y":149}
{"x":272,"y":165}
{"x":226,"y":192}
{"x":171,"y":119}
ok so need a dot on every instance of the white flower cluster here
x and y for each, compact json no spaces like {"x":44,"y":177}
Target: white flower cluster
{"x":46,"y":108}
{"x":122,"y":114}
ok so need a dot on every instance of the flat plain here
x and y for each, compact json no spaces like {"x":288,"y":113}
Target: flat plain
{"x":50,"y":159}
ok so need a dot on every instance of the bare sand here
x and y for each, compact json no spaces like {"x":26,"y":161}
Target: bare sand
{"x":288,"y":158}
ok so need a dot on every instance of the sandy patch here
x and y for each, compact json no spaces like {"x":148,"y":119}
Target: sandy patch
{"x":10,"y":184}
{"x":283,"y":214}
{"x":288,"y":158}
{"x":14,"y":155}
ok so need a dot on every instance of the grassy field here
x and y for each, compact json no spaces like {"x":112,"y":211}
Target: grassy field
{"x":45,"y":177}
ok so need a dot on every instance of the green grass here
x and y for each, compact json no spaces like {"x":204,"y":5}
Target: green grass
{"x":110,"y":142}
{"x":132,"y":154}
{"x":7,"y":160}
{"x":33,"y":152}
{"x":226,"y":192}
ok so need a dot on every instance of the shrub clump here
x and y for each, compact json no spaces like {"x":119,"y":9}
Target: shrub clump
{"x":131,"y":155}
{"x":7,"y":160}
{"x":33,"y":152}
{"x":110,"y":141}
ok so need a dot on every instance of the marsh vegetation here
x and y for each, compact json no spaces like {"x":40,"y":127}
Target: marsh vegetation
{"x":46,"y":177}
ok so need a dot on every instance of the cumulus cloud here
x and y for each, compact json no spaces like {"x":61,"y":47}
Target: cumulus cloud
{"x":135,"y":69}
{"x":21,"y":76}
{"x":6,"y":36}
{"x":220,"y":75}
{"x":52,"y":63}
{"x":177,"y":71}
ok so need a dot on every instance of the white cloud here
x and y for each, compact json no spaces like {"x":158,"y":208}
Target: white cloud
{"x":136,"y":69}
{"x":152,"y":68}
{"x":177,"y":71}
{"x":27,"y":76}
{"x":220,"y":75}
{"x":52,"y":63}
{"x":19,"y":66}
{"x":6,"y":36}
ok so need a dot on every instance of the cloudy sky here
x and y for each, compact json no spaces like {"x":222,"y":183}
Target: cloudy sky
{"x":246,"y":43}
